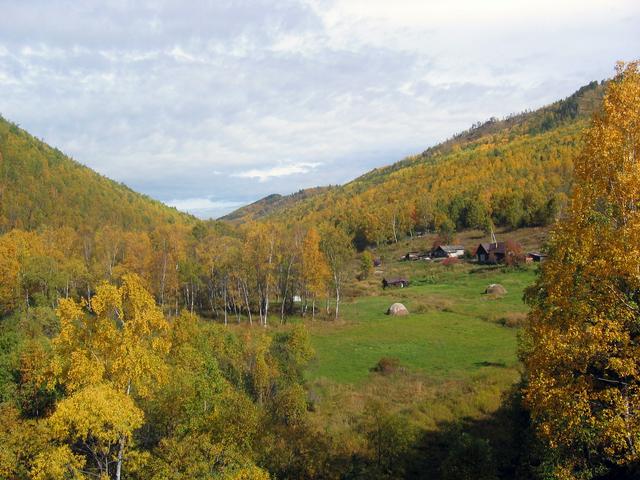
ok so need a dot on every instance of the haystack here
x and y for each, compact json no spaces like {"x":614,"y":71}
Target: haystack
{"x":495,"y":289}
{"x":397,"y":309}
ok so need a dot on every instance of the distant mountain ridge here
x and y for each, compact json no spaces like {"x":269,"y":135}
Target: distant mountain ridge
{"x":274,"y":202}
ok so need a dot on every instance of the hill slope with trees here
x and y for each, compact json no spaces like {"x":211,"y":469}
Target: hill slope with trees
{"x":512,"y":172}
{"x":263,"y":207}
{"x":42,"y":187}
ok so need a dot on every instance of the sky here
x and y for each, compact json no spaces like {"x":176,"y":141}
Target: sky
{"x":209,"y":105}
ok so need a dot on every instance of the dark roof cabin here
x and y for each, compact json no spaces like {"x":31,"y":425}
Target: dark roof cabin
{"x":497,"y":252}
{"x":491,"y":252}
{"x":395,"y":282}
{"x":537,"y":256}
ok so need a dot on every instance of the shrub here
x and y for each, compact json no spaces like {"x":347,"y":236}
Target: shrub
{"x":512,"y":319}
{"x":387,"y":365}
{"x":450,"y":261}
{"x":366,"y":265}
{"x":469,"y":458}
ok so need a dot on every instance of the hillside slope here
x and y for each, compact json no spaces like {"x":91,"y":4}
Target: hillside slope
{"x":515,"y":171}
{"x":275,"y":202}
{"x":40,"y":186}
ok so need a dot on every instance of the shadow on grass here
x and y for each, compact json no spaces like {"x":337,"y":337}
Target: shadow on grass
{"x":491,"y":364}
{"x":498,"y":446}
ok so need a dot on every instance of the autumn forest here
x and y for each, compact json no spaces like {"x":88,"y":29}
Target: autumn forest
{"x":140,"y":342}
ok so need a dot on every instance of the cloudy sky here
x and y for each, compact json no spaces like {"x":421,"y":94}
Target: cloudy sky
{"x":210,"y":105}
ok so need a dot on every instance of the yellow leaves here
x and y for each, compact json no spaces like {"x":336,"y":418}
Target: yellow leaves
{"x":582,"y":359}
{"x":20,"y":441}
{"x":185,"y":327}
{"x":68,"y":311}
{"x":97,"y":417}
{"x":261,"y":369}
{"x":123,"y":342}
{"x":58,"y":463}
{"x":16,"y":248}
{"x":9,"y":272}
{"x":315,"y":271}
{"x":197,"y":456}
{"x":107,"y":300}
{"x":299,"y":345}
{"x":84,"y":369}
{"x":98,"y":412}
{"x":248,"y":473}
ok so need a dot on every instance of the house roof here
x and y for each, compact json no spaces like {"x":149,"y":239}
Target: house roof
{"x":496,"y":247}
{"x":450,"y":248}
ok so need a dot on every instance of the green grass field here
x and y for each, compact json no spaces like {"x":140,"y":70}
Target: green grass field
{"x":453,"y":331}
{"x":457,"y":351}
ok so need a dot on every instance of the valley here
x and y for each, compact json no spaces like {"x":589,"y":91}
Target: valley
{"x":139,"y":342}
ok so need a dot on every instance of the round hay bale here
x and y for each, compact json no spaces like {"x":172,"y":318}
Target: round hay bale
{"x":397,"y":309}
{"x":495,"y":289}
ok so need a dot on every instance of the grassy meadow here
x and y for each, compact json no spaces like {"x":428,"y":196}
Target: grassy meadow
{"x":453,"y":331}
{"x":457,"y":351}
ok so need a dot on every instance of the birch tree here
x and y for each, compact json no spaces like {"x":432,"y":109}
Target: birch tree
{"x":337,"y":248}
{"x":581,"y":347}
{"x":106,"y":361}
{"x":315,"y":271}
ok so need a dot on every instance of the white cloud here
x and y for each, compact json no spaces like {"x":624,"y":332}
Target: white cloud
{"x":189,"y":204}
{"x":280,"y":171}
{"x":204,"y":207}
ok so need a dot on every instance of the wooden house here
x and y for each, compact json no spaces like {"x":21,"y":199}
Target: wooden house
{"x":497,"y":252}
{"x":493,"y":252}
{"x":395,"y":282}
{"x":536,"y":256}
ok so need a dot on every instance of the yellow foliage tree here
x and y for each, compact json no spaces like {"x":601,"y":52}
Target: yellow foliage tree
{"x":92,"y":423}
{"x":105,"y":359}
{"x":16,"y":247}
{"x":581,"y":348}
{"x":315,"y":271}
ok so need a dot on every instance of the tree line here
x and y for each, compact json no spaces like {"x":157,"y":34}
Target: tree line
{"x":231,"y":275}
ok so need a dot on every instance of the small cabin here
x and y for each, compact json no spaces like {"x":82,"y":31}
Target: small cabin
{"x":496,"y":252}
{"x":395,"y":282}
{"x":537,"y":256}
{"x":448,"y":251}
{"x":493,"y":252}
{"x":413,"y":256}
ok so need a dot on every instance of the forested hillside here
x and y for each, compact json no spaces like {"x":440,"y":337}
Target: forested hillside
{"x":512,"y":172}
{"x":139,"y":343}
{"x":42,"y":187}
